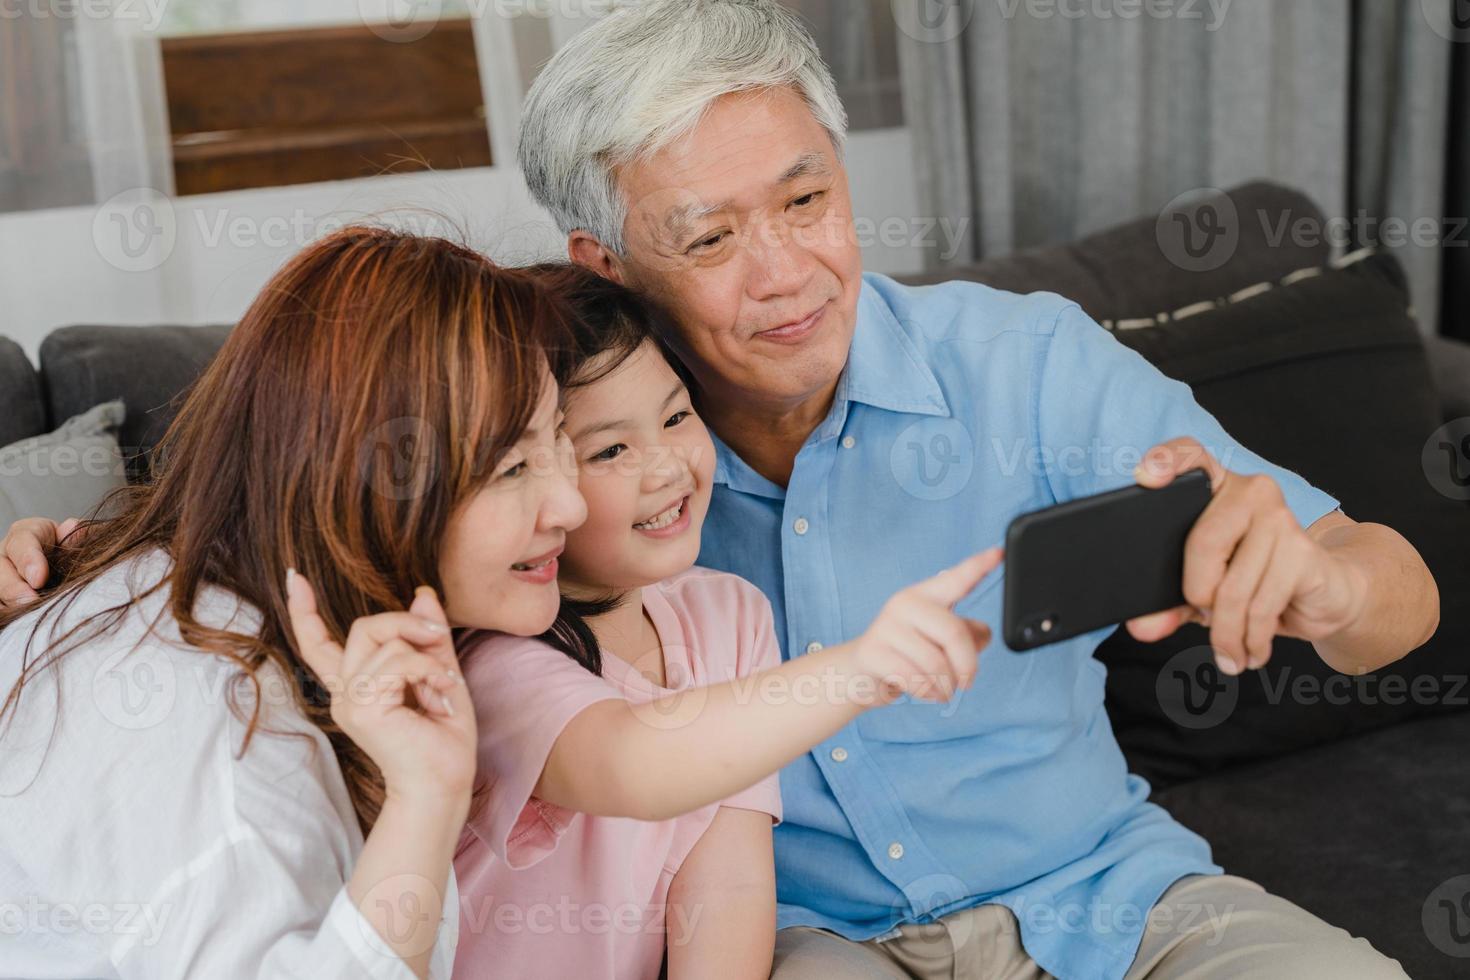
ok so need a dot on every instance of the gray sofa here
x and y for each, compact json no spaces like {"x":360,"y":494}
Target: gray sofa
{"x":1357,"y":809}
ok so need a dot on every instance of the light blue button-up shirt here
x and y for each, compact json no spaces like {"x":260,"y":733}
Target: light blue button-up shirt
{"x":960,"y":407}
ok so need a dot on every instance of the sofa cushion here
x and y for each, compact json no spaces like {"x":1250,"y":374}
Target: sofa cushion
{"x":22,"y":412}
{"x":1371,"y":833}
{"x":149,"y":368}
{"x":1450,"y":360}
{"x":1126,"y":272}
{"x":65,"y":473}
{"x":1326,"y":377}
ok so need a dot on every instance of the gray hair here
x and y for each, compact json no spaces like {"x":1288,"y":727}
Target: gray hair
{"x":643,"y":77}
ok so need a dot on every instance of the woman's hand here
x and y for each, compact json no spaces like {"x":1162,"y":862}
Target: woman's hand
{"x":23,"y":557}
{"x":396,"y":691}
{"x":918,"y":645}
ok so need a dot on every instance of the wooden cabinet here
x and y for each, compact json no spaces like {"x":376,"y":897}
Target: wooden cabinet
{"x":268,"y":108}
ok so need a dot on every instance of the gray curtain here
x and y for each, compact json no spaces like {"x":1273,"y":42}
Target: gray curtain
{"x":1040,"y":122}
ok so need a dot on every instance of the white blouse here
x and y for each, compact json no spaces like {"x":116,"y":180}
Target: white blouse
{"x":136,"y":841}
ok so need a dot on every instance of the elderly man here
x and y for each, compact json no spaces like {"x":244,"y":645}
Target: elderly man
{"x":870,"y":434}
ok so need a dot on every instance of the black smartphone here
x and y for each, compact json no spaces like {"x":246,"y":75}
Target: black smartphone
{"x":1098,"y":561}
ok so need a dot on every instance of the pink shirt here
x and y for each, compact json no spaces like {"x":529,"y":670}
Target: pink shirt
{"x":550,"y":892}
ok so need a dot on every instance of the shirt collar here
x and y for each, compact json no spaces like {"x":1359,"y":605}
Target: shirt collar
{"x":884,"y":370}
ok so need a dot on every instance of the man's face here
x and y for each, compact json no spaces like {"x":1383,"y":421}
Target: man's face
{"x":743,"y":229}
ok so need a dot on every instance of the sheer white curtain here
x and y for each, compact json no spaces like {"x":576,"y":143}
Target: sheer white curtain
{"x":87,"y":120}
{"x":120,"y":79}
{"x":1039,"y":126}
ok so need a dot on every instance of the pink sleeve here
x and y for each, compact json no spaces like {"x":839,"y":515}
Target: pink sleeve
{"x":525,"y":693}
{"x":758,"y":652}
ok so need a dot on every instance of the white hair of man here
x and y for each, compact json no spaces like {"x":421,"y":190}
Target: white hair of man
{"x":641,"y":78}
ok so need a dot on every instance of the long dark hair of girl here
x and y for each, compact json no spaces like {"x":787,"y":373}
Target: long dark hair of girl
{"x":609,"y":323}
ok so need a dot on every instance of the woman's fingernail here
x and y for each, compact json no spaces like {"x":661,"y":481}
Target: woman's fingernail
{"x":448,"y":708}
{"x":1226,"y":665}
{"x":290,"y":576}
{"x":432,"y":626}
{"x":424,"y":588}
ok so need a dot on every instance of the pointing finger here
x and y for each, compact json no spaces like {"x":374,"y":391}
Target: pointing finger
{"x":953,"y":584}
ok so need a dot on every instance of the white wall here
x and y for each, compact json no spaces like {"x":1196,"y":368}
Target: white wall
{"x":66,"y":266}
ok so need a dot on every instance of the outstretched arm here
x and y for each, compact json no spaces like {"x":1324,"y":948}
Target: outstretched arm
{"x":697,"y":746}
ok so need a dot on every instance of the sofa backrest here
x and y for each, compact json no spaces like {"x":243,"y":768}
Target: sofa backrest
{"x":1124,"y":273}
{"x":22,"y":412}
{"x":149,"y":368}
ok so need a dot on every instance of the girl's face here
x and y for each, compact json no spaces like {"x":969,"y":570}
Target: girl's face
{"x":498,"y":561}
{"x":646,"y":464}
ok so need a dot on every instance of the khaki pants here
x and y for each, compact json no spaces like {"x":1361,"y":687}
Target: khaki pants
{"x":1204,"y":927}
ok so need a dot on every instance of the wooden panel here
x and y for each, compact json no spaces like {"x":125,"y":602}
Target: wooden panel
{"x":274,"y":160}
{"x":268,"y":108}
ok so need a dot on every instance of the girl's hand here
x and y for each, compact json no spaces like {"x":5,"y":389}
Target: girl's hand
{"x":918,"y":645}
{"x":396,"y":692}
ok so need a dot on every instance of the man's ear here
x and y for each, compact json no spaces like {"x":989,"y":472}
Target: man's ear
{"x":586,"y":251}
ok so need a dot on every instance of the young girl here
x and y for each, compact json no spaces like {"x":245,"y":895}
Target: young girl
{"x":200,"y":780}
{"x":641,"y":702}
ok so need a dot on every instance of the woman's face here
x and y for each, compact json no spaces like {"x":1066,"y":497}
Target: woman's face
{"x":498,"y":561}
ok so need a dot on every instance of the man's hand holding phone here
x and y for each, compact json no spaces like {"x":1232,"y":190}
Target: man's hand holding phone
{"x":1251,"y":572}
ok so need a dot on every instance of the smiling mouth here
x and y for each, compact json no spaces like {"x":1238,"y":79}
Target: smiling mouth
{"x":660,"y":521}
{"x":796,"y":329}
{"x":536,"y":564}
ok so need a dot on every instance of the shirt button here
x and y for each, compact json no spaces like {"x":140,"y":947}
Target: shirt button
{"x":813,"y":647}
{"x":895,"y":850}
{"x":800,"y":527}
{"x":839,"y":754}
{"x":848,"y":442}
